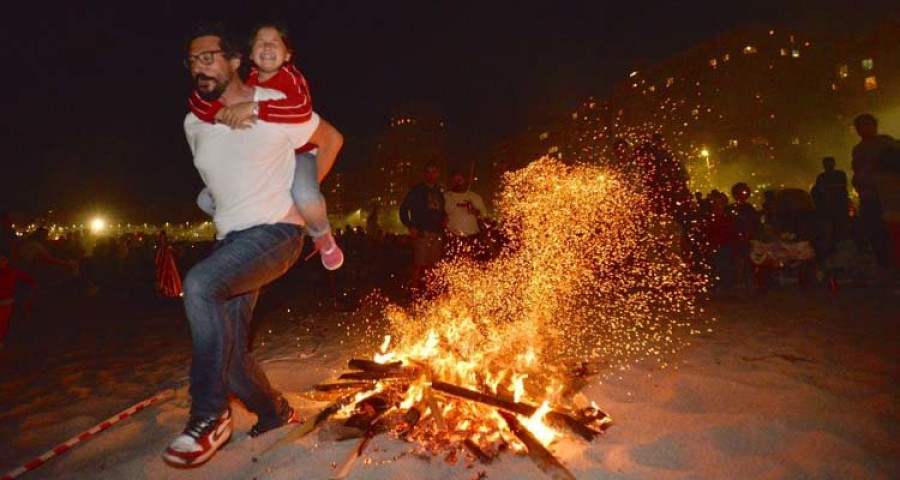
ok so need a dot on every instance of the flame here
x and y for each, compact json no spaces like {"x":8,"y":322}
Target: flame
{"x":535,"y":424}
{"x":588,"y":274}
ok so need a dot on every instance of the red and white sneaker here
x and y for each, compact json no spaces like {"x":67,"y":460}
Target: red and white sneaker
{"x":332,"y":256}
{"x":200,"y":440}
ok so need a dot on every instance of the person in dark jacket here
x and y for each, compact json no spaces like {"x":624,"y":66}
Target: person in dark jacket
{"x":422,"y":212}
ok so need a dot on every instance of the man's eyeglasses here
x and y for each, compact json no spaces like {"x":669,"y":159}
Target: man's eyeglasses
{"x":205,"y":58}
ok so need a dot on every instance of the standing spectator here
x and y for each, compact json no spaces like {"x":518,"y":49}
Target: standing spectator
{"x":747,"y":225}
{"x":9,"y":276}
{"x":464,"y":208}
{"x":831,"y":199}
{"x":889,"y":193}
{"x":720,"y":233}
{"x":664,"y":178}
{"x":866,"y":154}
{"x":422,"y":212}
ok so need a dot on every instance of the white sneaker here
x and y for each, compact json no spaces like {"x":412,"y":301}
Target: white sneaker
{"x":200,"y":440}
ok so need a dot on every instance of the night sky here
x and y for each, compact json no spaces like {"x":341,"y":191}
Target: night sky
{"x":98,"y":91}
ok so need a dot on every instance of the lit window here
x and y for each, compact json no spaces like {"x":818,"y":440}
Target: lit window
{"x":795,"y":141}
{"x":575,"y":116}
{"x":871,"y":83}
{"x":868,"y":65}
{"x":795,"y":53}
{"x":732,"y":143}
{"x":713,"y":63}
{"x":834,"y":86}
{"x":771,"y":32}
{"x":544,"y":136}
{"x":553,"y":149}
{"x":726,"y":57}
{"x":784,"y":52}
{"x":749,"y":50}
{"x":633,"y":74}
{"x":652,"y":88}
{"x":843,"y":71}
{"x":670,"y":81}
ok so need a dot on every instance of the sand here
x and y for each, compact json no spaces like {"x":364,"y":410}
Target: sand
{"x":788,"y":384}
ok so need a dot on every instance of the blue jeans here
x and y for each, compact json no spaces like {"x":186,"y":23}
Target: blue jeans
{"x":304,"y":190}
{"x":220,"y":293}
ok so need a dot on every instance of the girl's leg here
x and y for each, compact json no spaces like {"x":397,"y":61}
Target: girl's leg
{"x":307,"y":196}
{"x":311,"y":203}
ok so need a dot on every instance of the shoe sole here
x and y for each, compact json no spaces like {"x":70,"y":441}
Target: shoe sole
{"x":188,"y":463}
{"x":333,"y":267}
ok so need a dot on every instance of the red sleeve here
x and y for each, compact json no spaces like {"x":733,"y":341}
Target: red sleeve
{"x":296,"y":107}
{"x":204,"y":110}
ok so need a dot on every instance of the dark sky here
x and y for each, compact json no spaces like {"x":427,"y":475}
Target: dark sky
{"x":98,"y":91}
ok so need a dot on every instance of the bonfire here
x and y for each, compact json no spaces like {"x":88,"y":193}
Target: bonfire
{"x":492,"y":360}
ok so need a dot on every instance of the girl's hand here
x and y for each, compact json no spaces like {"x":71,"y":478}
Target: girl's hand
{"x":239,"y":116}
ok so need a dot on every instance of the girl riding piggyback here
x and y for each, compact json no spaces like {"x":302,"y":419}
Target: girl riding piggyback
{"x":271,"y":51}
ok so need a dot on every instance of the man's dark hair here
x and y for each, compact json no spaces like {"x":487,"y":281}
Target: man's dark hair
{"x":279,"y":27}
{"x":460,"y":173}
{"x":865,"y":118}
{"x":828,"y":161}
{"x":429,"y":165}
{"x":227,"y":43}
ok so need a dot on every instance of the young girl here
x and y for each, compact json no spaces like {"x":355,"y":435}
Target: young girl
{"x":9,"y":275}
{"x":271,"y":52}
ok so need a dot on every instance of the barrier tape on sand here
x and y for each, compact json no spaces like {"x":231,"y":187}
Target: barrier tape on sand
{"x":86,"y":435}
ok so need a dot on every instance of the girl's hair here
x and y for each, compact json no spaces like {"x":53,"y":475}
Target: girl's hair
{"x":278,"y":27}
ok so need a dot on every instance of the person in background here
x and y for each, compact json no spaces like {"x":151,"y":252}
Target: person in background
{"x":830,"y":196}
{"x":9,"y":277}
{"x":866,"y":155}
{"x":423,"y":213}
{"x":464,"y":208}
{"x":747,"y":225}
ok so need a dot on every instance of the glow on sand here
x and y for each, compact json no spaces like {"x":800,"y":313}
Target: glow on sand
{"x":586,"y":275}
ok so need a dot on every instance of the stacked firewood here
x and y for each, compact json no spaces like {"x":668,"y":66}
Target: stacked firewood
{"x":376,"y":392}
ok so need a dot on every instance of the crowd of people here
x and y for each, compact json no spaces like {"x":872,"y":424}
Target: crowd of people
{"x":816,"y":235}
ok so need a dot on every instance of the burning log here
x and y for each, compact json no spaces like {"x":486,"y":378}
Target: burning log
{"x":536,"y":452}
{"x":435,"y":409}
{"x":301,"y":430}
{"x":558,"y":419}
{"x":331,"y":387}
{"x":384,"y":375}
{"x":370,"y":366}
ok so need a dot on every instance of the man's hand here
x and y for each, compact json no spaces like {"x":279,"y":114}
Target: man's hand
{"x":239,"y":116}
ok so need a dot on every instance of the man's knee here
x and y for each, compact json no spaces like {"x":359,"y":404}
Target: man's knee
{"x":199,"y":284}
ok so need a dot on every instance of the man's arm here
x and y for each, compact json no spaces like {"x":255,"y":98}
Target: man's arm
{"x":478,"y":203}
{"x":405,"y":211}
{"x":329,"y":141}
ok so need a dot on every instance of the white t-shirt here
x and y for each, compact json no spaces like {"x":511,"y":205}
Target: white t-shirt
{"x":249,"y":172}
{"x":459,"y":220}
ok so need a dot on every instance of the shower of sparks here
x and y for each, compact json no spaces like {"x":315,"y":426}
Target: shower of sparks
{"x":587,"y":273}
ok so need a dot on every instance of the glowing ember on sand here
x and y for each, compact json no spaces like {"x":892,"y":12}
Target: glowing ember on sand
{"x":587,"y":275}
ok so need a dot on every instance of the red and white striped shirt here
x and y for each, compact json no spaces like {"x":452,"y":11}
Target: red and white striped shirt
{"x":296,"y":107}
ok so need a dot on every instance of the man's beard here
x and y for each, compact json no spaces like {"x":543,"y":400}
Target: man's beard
{"x":216,"y":92}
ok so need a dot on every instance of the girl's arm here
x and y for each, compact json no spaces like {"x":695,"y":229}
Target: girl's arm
{"x":296,"y":107}
{"x":204,"y":109}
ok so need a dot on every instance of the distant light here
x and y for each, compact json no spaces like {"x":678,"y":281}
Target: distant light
{"x":98,"y":225}
{"x":704,"y":153}
{"x":633,"y":74}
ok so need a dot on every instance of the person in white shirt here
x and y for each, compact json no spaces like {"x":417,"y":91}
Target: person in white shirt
{"x":249,"y":171}
{"x":464,"y":208}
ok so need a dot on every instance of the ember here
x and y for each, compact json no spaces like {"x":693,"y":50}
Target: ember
{"x":484,"y":365}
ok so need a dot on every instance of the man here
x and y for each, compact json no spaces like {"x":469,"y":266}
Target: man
{"x":422,"y":212}
{"x":249,"y":173}
{"x":831,"y":199}
{"x":463,"y":207}
{"x":866,"y":155}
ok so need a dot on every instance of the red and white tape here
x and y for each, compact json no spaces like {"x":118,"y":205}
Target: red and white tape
{"x":86,"y":435}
